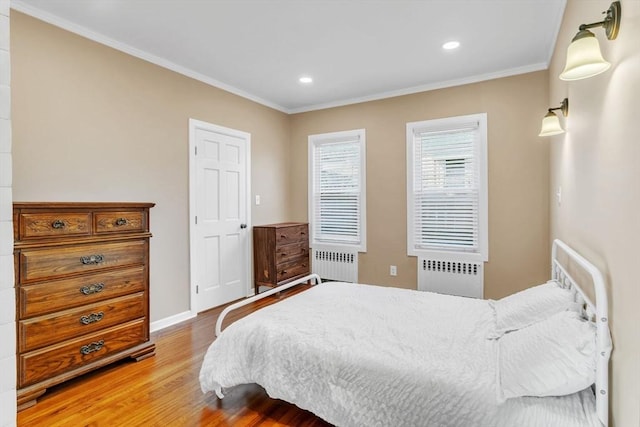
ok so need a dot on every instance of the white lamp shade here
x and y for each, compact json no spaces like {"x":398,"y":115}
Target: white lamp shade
{"x":584,"y":59}
{"x":550,"y":125}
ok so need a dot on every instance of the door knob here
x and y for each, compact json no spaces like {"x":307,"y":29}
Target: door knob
{"x":243,"y":225}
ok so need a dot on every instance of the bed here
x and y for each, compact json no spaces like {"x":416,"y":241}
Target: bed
{"x":361,"y":355}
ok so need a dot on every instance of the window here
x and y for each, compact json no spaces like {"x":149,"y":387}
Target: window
{"x":337,"y":189}
{"x":447,"y":188}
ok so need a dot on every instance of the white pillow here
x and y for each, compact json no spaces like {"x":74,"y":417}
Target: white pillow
{"x":554,"y":357}
{"x":532,"y":305}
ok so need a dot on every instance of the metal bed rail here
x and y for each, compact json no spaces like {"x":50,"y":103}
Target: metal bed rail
{"x":599,"y":310}
{"x":310,"y":278}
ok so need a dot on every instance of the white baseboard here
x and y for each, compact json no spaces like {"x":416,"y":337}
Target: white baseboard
{"x":171,"y":320}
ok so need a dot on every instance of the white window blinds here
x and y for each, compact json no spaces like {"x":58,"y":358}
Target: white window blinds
{"x":337,"y":188}
{"x":447,"y":188}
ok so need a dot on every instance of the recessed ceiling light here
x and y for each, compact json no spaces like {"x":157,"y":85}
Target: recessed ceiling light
{"x":305,"y":80}
{"x":451,"y":45}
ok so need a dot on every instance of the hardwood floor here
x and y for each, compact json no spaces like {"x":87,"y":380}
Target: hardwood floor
{"x":164,"y":390}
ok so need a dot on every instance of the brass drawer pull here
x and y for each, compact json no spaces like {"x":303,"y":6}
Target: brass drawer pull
{"x":92,"y":289}
{"x":121,"y":221}
{"x":90,"y":348}
{"x":92,"y":318}
{"x":92,"y":259}
{"x":58,"y":224}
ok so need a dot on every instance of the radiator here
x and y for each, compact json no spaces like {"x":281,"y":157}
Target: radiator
{"x":451,"y":277}
{"x":338,"y":265}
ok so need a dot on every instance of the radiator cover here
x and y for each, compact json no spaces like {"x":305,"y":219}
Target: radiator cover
{"x":451,"y":277}
{"x":335,"y":264}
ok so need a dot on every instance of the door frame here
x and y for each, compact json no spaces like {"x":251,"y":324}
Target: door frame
{"x":193,"y":263}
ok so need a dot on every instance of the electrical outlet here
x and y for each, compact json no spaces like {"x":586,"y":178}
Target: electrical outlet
{"x":257,"y":199}
{"x":393,"y":270}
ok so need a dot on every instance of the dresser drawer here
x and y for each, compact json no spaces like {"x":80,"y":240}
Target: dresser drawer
{"x":50,"y":329}
{"x":286,"y":253}
{"x":48,"y":224}
{"x":39,"y":264}
{"x":287,"y":270}
{"x":48,"y":297}
{"x":50,"y":361}
{"x":287,"y":235}
{"x":119,"y":222}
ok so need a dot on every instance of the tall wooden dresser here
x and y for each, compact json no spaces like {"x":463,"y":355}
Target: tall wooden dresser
{"x":82,"y":290}
{"x":280,"y":253}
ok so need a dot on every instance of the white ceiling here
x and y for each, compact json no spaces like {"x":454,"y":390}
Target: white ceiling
{"x":355,"y":50}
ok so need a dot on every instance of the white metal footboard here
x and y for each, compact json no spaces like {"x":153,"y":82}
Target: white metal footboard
{"x":599,"y":311}
{"x":310,"y":278}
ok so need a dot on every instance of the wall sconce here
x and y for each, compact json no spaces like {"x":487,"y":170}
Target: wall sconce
{"x":551,"y":122}
{"x":584,"y":58}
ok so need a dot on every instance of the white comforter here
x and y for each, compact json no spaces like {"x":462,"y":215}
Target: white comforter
{"x":358,"y":355}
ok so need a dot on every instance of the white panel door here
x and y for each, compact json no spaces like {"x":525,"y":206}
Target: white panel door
{"x":221,"y":215}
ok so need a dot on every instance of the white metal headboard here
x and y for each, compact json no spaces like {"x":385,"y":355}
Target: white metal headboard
{"x":597,"y":311}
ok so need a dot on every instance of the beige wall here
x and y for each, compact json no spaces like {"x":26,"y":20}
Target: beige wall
{"x":596,"y":164}
{"x":94,"y":124}
{"x":518,"y":176}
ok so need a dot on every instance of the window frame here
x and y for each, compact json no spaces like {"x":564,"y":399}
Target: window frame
{"x":332,"y":138}
{"x":480,"y":148}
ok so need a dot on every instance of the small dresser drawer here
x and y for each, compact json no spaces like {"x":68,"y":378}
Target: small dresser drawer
{"x":290,"y":252}
{"x":50,"y":329}
{"x":119,"y":222}
{"x":287,"y":235}
{"x":280,"y":253}
{"x":47,"y":297}
{"x":51,"y":224}
{"x":288,"y":270}
{"x":53,"y":360}
{"x":39,"y":264}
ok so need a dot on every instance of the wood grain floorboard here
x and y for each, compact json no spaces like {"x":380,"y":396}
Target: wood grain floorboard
{"x":164,"y":390}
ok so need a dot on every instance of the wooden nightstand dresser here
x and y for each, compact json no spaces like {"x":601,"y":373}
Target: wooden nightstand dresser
{"x":280,"y":253}
{"x":82,"y":290}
